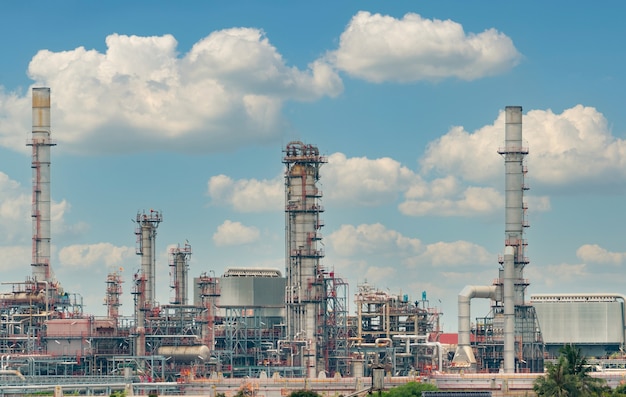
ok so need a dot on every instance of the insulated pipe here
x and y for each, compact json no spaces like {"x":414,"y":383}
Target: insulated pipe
{"x":439,"y":351}
{"x":509,"y":310}
{"x":41,"y":143}
{"x":408,"y":344}
{"x":514,"y":181}
{"x":464,"y":355}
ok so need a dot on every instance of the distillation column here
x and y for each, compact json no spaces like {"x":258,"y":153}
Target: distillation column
{"x":113,"y":292}
{"x":41,"y":143}
{"x":305,"y":279}
{"x":179,"y":267}
{"x":147,"y":224}
{"x":514,"y":253}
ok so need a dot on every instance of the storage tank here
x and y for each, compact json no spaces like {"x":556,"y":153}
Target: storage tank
{"x":185,"y":354}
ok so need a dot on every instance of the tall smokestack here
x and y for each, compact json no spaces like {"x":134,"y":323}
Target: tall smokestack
{"x":514,"y":256}
{"x":41,"y":143}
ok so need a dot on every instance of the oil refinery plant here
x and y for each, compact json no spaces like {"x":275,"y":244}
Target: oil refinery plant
{"x":293,"y":323}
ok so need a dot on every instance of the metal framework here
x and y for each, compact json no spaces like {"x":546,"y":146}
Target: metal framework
{"x":305,"y":279}
{"x":179,"y":268}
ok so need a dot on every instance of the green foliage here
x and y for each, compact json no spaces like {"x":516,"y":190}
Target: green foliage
{"x":220,"y":395}
{"x":304,"y":393}
{"x":118,"y":393}
{"x":569,"y":377}
{"x":620,"y":391}
{"x":410,"y":389}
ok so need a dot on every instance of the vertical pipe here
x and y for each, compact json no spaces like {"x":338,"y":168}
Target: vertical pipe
{"x":509,"y":310}
{"x":514,"y":181}
{"x":41,"y":143}
{"x":514,"y":260}
{"x":147,"y":262}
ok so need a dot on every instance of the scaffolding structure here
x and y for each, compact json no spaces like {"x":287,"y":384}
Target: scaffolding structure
{"x":113,"y":292}
{"x":305,"y":279}
{"x":179,"y":268}
{"x":335,"y":330}
{"x":510,"y":338}
{"x":395,"y":333}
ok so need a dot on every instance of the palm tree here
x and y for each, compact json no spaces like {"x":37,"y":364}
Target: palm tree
{"x":569,"y":377}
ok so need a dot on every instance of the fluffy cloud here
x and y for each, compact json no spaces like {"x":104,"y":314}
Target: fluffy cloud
{"x":450,"y":254}
{"x":247,"y":195}
{"x":558,"y":144}
{"x":15,"y":214}
{"x":15,"y":208}
{"x":235,"y":233}
{"x":105,"y":254}
{"x":593,"y":253}
{"x":367,"y":239}
{"x":363,"y":181}
{"x":141,"y":95}
{"x":447,"y":197}
{"x":381,"y":48}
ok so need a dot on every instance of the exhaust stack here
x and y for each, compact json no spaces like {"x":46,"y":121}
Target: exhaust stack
{"x":41,"y":142}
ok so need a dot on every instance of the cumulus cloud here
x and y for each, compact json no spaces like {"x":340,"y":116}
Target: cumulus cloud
{"x":448,"y":197}
{"x":91,"y":255}
{"x":15,"y":208}
{"x":453,"y":254}
{"x":247,"y":195}
{"x":140,"y":94}
{"x":365,"y":239}
{"x":363,"y":181}
{"x":382,"y":48}
{"x":593,"y":253}
{"x":558,"y":144}
{"x":375,"y":242}
{"x":235,"y":233}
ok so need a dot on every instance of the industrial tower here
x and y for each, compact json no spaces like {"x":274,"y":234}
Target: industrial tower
{"x":179,"y":267}
{"x":41,"y":143}
{"x":523,"y":345}
{"x":305,"y":279}
{"x":147,"y":224}
{"x":113,"y":292}
{"x":509,"y":338}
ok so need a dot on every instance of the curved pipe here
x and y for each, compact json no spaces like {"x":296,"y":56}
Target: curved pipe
{"x":464,"y":355}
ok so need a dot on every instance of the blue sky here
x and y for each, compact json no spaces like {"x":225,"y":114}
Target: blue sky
{"x":186,"y":109}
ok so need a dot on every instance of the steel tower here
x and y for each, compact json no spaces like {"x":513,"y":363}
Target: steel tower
{"x":179,"y":268}
{"x":522,"y":338}
{"x":147,"y":224}
{"x":41,"y":143}
{"x":305,"y":279}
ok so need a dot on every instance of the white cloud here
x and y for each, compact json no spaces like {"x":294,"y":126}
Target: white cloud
{"x":381,"y":48}
{"x":142,"y":95}
{"x":595,"y":254}
{"x":363,"y":181}
{"x":15,"y":208}
{"x":446,"y":197}
{"x":454,"y":253}
{"x":247,"y":195}
{"x":367,"y":239}
{"x":558,"y":145}
{"x":235,"y":233}
{"x":92,"y":255}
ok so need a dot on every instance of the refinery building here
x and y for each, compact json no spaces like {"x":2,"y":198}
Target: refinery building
{"x":291,"y":322}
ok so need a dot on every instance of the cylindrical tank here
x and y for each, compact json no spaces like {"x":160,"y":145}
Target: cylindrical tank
{"x":357,"y":368}
{"x":185,"y":353}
